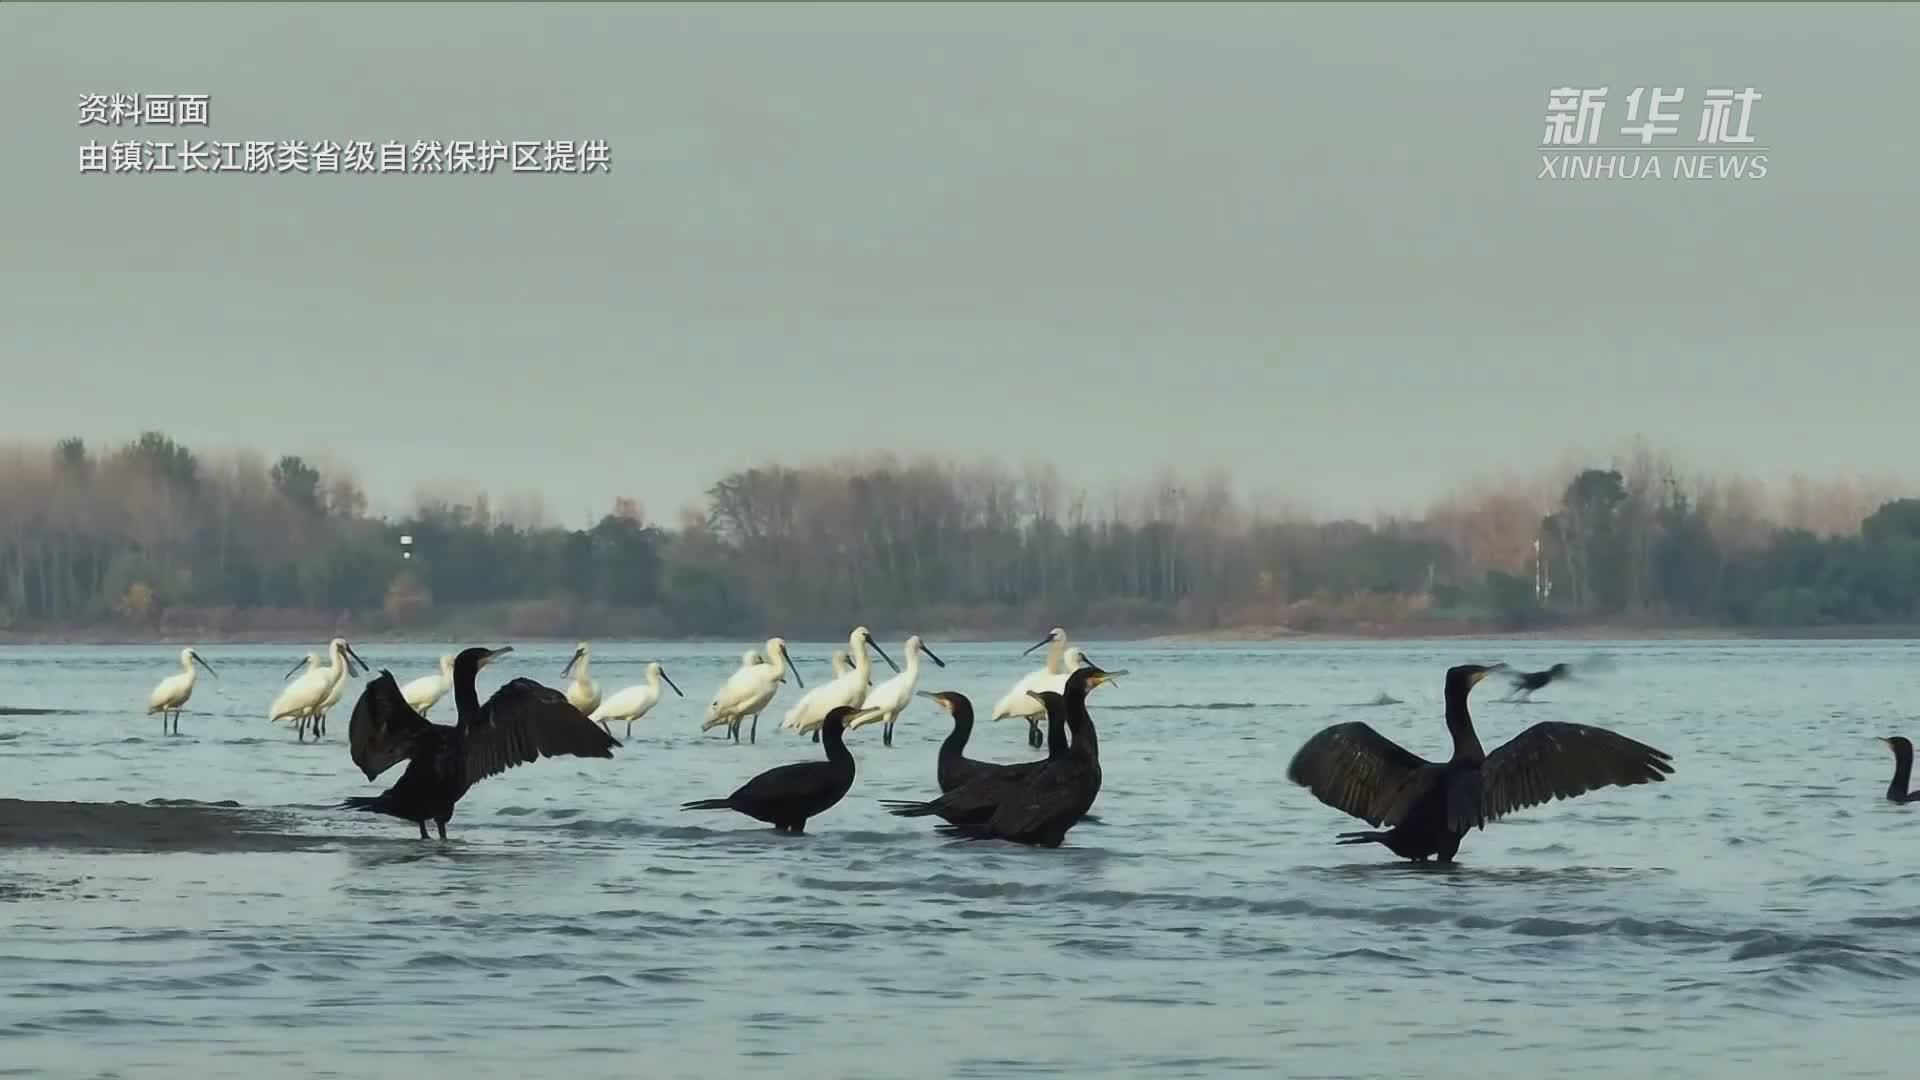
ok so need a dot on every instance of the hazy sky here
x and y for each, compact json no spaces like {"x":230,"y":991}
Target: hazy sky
{"x":1304,"y":243}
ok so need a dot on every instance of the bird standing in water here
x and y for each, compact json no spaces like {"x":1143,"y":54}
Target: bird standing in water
{"x":1032,"y":803}
{"x":1431,"y":805}
{"x":787,"y":795}
{"x":522,"y":722}
{"x":1902,"y":770}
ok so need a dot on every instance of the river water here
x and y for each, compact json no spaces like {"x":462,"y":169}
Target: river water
{"x":1756,"y":915}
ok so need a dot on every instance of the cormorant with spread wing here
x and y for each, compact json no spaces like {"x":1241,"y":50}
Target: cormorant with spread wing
{"x":522,"y":722}
{"x":1902,"y":770}
{"x":785,"y":796}
{"x":1429,"y":806}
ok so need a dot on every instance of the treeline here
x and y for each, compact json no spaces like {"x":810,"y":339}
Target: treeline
{"x":151,"y":535}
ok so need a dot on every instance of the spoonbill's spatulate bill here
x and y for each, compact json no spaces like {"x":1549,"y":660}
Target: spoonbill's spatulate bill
{"x":171,"y":694}
{"x":522,"y":722}
{"x":1430,"y":806}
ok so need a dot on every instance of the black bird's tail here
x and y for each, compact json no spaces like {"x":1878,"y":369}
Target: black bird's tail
{"x":964,"y":832}
{"x":902,"y":808}
{"x":373,"y":804}
{"x":708,"y":804}
{"x":1361,"y":838}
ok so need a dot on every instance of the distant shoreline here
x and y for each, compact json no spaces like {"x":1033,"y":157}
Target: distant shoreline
{"x":1602,"y":630}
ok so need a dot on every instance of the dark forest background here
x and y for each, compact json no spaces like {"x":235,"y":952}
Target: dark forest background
{"x":151,"y":537}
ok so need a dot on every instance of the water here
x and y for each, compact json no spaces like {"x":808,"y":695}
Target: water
{"x":1755,"y":915}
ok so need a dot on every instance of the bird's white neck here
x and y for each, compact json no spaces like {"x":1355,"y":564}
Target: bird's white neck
{"x":336,"y":657}
{"x":1057,"y":657}
{"x":912,"y":671}
{"x":653,"y":678}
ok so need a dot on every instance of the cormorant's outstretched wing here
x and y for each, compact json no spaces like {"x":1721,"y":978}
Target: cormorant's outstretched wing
{"x":384,"y":727}
{"x":1359,"y":771}
{"x":1554,"y":760}
{"x":523,"y":722}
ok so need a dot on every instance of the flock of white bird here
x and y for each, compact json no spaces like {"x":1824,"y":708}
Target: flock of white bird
{"x":742,"y":697}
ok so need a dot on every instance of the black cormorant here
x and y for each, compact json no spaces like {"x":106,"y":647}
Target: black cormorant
{"x":787,"y":795}
{"x":522,"y":722}
{"x":1430,"y":806}
{"x":1526,"y":682}
{"x":1902,"y":771}
{"x":1038,"y":804}
{"x":975,"y":800}
{"x":954,"y":769}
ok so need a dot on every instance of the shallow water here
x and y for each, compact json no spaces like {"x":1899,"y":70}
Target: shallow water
{"x":1755,"y":915}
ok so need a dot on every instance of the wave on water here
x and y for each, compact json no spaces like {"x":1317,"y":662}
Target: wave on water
{"x":1204,"y":706}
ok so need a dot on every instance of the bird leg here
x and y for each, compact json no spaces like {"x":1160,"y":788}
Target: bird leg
{"x":608,"y":730}
{"x":753,"y":730}
{"x":629,"y":729}
{"x":423,"y":829}
{"x":816,"y":734}
{"x":442,"y":826}
{"x":886,"y":734}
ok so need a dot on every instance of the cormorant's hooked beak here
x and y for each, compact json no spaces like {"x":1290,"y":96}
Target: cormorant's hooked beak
{"x":298,"y":664}
{"x":209,"y":667}
{"x":1106,"y":677}
{"x":930,"y":656}
{"x":492,"y":655}
{"x":1048,"y":640}
{"x":884,"y":656}
{"x":1486,"y":671}
{"x":354,"y":658}
{"x":669,"y":678}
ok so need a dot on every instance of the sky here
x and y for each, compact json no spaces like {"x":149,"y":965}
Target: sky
{"x":1304,"y":244}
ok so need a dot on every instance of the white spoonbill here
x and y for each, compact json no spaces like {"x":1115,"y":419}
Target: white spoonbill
{"x":748,"y":690}
{"x":810,"y":712}
{"x":1062,"y":660}
{"x":806,"y":705}
{"x":582,"y":694}
{"x":423,"y":692}
{"x":333,"y":698}
{"x":301,"y":700}
{"x":284,"y":708}
{"x":172,"y":692}
{"x":887,"y":701}
{"x":632,"y":703}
